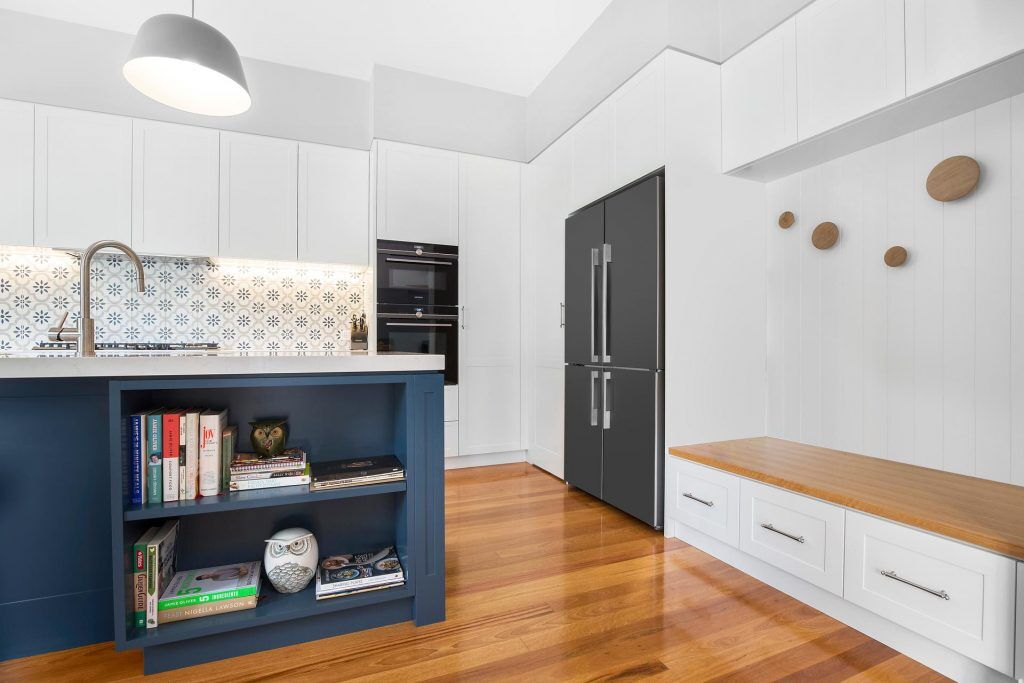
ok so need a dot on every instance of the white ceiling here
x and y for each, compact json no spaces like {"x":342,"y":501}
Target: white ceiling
{"x":507,"y":45}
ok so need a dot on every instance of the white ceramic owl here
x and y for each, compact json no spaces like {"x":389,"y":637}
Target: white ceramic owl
{"x":290,"y":559}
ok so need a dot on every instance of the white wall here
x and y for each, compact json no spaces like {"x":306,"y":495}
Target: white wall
{"x":715,"y":271}
{"x":70,"y":65}
{"x":741,"y":22}
{"x":925,"y":363}
{"x":434,"y":112}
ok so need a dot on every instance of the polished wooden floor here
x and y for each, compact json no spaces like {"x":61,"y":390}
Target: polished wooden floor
{"x":546,"y":584}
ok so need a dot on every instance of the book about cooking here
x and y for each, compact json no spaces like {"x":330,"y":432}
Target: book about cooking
{"x":289,"y":459}
{"x":352,"y":472}
{"x":139,"y":577}
{"x":345,"y":573}
{"x":213,"y":590}
{"x":211,"y":427}
{"x":154,"y":456}
{"x":171,"y":453}
{"x":301,"y":479}
{"x":160,"y":555}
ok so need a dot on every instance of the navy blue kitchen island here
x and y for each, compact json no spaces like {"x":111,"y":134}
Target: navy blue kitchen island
{"x":64,"y":499}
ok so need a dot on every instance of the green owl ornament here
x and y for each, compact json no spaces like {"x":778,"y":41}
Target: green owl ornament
{"x":269,"y":436}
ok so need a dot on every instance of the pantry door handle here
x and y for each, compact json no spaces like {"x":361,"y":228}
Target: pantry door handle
{"x":709,"y":503}
{"x":798,"y":539}
{"x":931,"y":591}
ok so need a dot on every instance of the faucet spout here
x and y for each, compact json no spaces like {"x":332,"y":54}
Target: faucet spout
{"x":86,"y":326}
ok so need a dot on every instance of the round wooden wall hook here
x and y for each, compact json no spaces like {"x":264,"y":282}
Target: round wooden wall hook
{"x":825,"y":235}
{"x":895,"y":256}
{"x":786,"y":220}
{"x":953,"y":178}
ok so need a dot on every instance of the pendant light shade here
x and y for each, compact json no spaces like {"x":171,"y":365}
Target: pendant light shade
{"x":187,"y":64}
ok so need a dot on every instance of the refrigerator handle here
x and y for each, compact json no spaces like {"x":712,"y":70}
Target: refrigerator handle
{"x":593,"y":304}
{"x":593,"y":398}
{"x":606,"y":399}
{"x":606,"y":356}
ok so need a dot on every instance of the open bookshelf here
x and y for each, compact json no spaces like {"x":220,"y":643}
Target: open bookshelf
{"x":330,"y":417}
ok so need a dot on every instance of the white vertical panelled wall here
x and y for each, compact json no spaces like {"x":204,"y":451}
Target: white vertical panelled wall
{"x":923,"y":363}
{"x":714,"y":271}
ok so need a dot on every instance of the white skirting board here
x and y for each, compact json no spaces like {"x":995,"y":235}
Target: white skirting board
{"x":483,"y":459}
{"x":932,"y":655}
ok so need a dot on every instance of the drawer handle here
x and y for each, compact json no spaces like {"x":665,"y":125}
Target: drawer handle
{"x":709,"y":503}
{"x":896,"y":577}
{"x":798,"y":539}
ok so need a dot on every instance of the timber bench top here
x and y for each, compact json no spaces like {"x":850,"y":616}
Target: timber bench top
{"x":984,"y":513}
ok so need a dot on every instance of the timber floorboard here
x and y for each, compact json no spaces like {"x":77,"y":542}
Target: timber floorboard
{"x":548,"y":584}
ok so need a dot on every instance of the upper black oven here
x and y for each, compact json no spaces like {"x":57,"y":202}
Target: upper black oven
{"x":415,"y":274}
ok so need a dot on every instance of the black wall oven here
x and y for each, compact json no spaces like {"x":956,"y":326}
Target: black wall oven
{"x":418,"y":301}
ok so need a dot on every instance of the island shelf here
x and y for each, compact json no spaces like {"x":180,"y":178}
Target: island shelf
{"x":331,"y":417}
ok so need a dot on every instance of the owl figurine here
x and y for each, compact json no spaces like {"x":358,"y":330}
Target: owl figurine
{"x":290,"y":559}
{"x":269,"y":436}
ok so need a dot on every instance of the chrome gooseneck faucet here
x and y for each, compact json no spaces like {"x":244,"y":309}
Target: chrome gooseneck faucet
{"x":85,"y":333}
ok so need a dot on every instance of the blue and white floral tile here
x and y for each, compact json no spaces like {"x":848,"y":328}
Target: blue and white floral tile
{"x":243,"y":305}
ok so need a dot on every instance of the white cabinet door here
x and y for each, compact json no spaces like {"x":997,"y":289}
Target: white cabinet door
{"x":639,"y":112}
{"x":850,"y":61}
{"x":489,"y":344}
{"x":759,"y":98}
{"x":593,"y":156}
{"x":175,"y":189}
{"x":83,"y":177}
{"x":258,"y":197}
{"x":417,"y":194}
{"x":16,"y":159}
{"x":334,"y":204}
{"x":546,"y":188}
{"x":948,"y":38}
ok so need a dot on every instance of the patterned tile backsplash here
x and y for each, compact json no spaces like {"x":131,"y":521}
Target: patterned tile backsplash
{"x":241,"y":305}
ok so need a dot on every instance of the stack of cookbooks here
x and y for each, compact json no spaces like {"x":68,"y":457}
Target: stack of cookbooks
{"x":250,"y":472}
{"x":336,"y":474}
{"x":340,"y":575}
{"x":202,"y":592}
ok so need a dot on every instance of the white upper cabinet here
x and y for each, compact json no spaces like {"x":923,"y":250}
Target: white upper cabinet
{"x":759,"y":98}
{"x":417,"y":194}
{"x":489,"y":344}
{"x":593,"y":155}
{"x":258,"y":197}
{"x":334,"y":204}
{"x":83,"y":177}
{"x":16,"y":159}
{"x":174,"y":189}
{"x":639,"y":111}
{"x":850,"y":61}
{"x":947,"y":38}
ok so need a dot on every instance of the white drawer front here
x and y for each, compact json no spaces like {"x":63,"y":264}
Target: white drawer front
{"x":799,"y":535}
{"x":703,"y":498}
{"x":954,"y":594}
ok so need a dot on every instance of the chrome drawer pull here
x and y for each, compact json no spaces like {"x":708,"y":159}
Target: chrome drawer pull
{"x":709,"y":503}
{"x":896,"y":577}
{"x":769,"y":527}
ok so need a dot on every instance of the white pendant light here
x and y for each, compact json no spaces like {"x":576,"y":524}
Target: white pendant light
{"x":189,"y":65}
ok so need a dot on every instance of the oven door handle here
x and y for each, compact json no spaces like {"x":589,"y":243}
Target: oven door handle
{"x":420,"y":261}
{"x":408,"y":252}
{"x":419,"y":325}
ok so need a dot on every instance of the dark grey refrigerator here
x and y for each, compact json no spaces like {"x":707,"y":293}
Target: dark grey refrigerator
{"x":614,"y":349}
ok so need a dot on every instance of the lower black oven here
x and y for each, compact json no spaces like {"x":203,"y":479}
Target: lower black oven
{"x":421,"y":329}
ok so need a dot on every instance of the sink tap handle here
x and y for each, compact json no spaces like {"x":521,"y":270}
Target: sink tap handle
{"x":59,"y":332}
